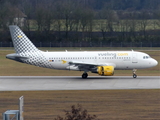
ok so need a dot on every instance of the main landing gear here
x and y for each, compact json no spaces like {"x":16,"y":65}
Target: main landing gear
{"x":134,"y":73}
{"x":84,"y":75}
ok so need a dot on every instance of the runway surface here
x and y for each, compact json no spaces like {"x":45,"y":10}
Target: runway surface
{"x":23,"y":83}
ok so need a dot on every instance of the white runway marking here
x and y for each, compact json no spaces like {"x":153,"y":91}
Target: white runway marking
{"x":25,"y":83}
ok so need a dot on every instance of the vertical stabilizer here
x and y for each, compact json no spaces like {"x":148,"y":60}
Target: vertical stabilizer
{"x":20,"y":41}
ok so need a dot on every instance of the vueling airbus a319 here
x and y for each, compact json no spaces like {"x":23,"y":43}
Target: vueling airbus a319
{"x":101,"y":62}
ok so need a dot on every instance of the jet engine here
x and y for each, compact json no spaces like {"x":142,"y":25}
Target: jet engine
{"x":105,"y":70}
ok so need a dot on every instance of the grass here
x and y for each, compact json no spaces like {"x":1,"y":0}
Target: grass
{"x":106,"y":104}
{"x":13,"y":68}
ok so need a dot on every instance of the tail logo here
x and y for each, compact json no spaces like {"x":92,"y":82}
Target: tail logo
{"x":19,"y":36}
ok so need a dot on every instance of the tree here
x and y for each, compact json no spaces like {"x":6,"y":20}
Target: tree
{"x":27,"y":8}
{"x":110,"y":17}
{"x":5,"y":15}
{"x":76,"y":21}
{"x":86,"y":19}
{"x":58,"y":18}
{"x":91,"y":23}
{"x":48,"y":17}
{"x":39,"y":16}
{"x":144,"y":22}
{"x":77,"y":113}
{"x":124,"y":28}
{"x":67,"y":12}
{"x":132,"y":26}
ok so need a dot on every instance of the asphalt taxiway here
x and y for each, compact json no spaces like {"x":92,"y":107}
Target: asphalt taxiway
{"x":28,"y":83}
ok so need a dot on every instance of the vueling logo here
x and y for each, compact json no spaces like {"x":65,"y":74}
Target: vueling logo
{"x":63,"y":61}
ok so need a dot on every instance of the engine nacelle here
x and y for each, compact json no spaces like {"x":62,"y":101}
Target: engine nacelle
{"x":105,"y":70}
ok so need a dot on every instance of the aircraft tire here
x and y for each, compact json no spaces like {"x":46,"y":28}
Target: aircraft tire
{"x":84,"y":75}
{"x":134,"y":76}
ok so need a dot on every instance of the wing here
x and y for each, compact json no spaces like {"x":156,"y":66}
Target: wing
{"x":79,"y":63}
{"x":87,"y":66}
{"x":83,"y":66}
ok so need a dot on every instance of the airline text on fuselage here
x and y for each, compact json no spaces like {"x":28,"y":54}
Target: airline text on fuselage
{"x":112,"y":54}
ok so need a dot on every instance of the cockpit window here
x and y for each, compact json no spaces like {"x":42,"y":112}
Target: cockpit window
{"x":146,"y":57}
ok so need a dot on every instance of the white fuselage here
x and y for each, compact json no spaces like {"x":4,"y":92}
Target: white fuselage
{"x":118,"y":59}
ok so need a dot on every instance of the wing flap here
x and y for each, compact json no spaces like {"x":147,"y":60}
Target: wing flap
{"x":79,"y":63}
{"x":90,"y":65}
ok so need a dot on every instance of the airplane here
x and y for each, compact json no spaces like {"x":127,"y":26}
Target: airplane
{"x":103,"y":63}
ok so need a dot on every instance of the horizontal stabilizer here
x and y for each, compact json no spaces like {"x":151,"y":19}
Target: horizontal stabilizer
{"x":16,"y":57}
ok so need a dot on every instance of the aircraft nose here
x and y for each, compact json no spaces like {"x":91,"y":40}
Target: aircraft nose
{"x":154,"y":63}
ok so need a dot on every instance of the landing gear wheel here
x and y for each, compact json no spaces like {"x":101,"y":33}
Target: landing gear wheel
{"x":84,"y":75}
{"x":134,"y":76}
{"x":134,"y":73}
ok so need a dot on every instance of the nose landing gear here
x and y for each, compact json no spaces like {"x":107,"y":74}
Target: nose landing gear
{"x":134,"y":73}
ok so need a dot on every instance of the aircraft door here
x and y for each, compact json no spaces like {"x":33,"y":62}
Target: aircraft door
{"x":134,"y":58}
